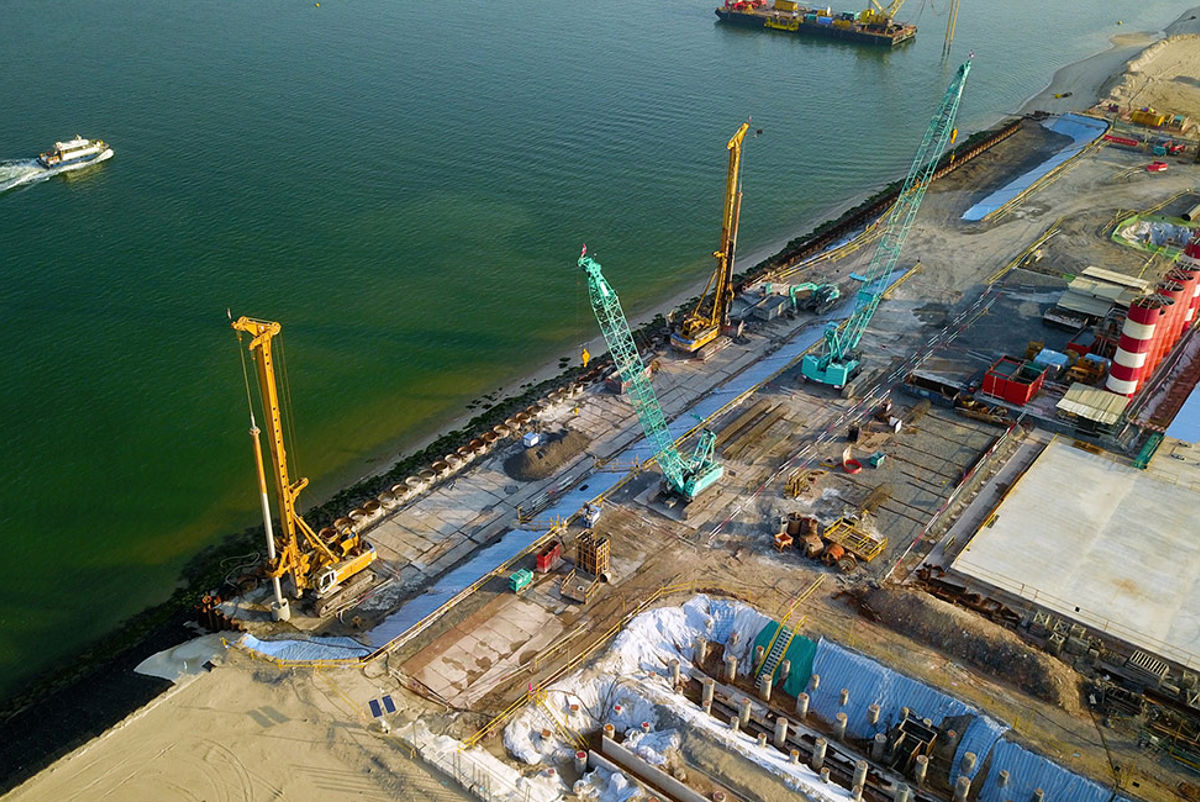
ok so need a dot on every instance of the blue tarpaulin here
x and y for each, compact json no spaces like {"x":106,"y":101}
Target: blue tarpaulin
{"x":1186,"y":426}
{"x":1082,"y":130}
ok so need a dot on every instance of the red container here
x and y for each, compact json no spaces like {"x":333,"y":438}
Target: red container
{"x":549,"y":557}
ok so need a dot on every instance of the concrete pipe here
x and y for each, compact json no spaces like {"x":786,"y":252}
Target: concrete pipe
{"x":762,"y":740}
{"x":764,"y":687}
{"x":373,"y":508}
{"x":428,"y":474}
{"x":441,"y":468}
{"x":860,"y":773}
{"x":327,"y":534}
{"x":1039,"y":795}
{"x":901,"y":794}
{"x":546,"y":735}
{"x":759,"y":653}
{"x":1002,"y":779}
{"x":818,"y":756}
{"x":825,"y":774}
{"x":872,"y":714}
{"x":878,"y":747}
{"x":744,"y":711}
{"x":856,"y":793}
{"x":454,"y":461}
{"x":646,"y":726}
{"x":359,"y":516}
{"x":839,"y":726}
{"x":968,"y":762}
{"x":844,"y":697}
{"x":730,"y":667}
{"x":920,"y":767}
{"x":815,"y":682}
{"x":416,"y":483}
{"x":490,"y":438}
{"x":477,"y":444}
{"x":513,"y":425}
{"x":610,"y":731}
{"x":501,"y":430}
{"x":343,"y":523}
{"x":465,"y":454}
{"x":962,"y":787}
{"x":573,"y":709}
{"x":701,"y":651}
{"x":735,"y":638}
{"x":522,"y":418}
{"x":580,"y":762}
{"x":387,"y":499}
{"x":904,"y":711}
{"x":802,"y":706}
{"x":785,"y":668}
{"x":706,"y":694}
{"x":781,"y":731}
{"x":734,"y":723}
{"x":676,"y":673}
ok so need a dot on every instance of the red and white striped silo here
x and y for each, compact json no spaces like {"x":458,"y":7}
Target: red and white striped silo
{"x":1137,"y":339}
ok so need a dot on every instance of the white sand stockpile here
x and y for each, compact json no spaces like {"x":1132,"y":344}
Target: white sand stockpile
{"x":630,"y":685}
{"x":1165,"y":76}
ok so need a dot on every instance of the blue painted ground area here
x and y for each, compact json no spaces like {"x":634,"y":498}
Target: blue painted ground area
{"x":1186,"y":426}
{"x":1082,"y":130}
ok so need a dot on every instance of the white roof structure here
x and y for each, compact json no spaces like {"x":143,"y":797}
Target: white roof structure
{"x":1098,"y":541}
{"x":1093,"y":403}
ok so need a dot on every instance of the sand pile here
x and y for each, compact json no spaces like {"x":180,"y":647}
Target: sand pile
{"x":541,"y":461}
{"x":1164,"y":76}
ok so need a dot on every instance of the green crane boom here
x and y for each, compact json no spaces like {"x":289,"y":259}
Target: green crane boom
{"x":684,"y":477}
{"x":836,"y":363}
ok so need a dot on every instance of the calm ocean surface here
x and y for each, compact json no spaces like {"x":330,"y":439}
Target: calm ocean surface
{"x":405,"y":187}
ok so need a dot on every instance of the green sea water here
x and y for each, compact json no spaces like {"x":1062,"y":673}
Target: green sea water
{"x":405,"y":186}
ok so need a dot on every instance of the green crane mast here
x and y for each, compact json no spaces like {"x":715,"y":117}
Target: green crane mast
{"x":837,"y":361}
{"x":683,"y":477}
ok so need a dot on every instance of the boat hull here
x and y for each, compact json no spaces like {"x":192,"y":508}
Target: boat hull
{"x":797,"y":25}
{"x":75,"y":164}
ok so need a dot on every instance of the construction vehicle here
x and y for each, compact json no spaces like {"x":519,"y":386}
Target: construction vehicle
{"x":685,"y":478}
{"x":837,"y":361}
{"x":710,"y":316}
{"x":820,"y":299}
{"x":877,"y":17}
{"x":320,"y":562}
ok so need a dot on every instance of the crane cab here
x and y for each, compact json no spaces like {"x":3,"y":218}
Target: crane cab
{"x":329,"y":579}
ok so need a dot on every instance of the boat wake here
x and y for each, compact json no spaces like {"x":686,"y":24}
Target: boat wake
{"x":20,"y":172}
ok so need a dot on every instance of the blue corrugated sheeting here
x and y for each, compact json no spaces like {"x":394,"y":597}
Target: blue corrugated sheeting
{"x":1027,"y":771}
{"x":869,"y":683}
{"x":1082,"y":130}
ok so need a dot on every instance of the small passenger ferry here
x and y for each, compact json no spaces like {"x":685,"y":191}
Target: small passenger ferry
{"x":75,"y":153}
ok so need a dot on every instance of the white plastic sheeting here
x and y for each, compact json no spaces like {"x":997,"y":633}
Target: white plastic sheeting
{"x":315,"y":648}
{"x":633,"y":674}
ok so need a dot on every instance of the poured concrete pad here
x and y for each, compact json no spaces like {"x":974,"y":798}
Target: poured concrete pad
{"x":1106,"y":544}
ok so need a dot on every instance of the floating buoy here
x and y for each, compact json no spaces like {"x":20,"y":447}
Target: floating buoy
{"x":318,"y":5}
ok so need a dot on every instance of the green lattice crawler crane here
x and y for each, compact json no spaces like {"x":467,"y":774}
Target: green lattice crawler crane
{"x":682,"y":477}
{"x":837,"y":361}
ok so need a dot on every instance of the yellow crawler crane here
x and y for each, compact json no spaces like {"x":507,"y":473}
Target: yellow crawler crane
{"x":703,"y":325}
{"x":319,"y":563}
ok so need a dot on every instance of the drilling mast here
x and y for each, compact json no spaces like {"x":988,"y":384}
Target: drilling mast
{"x":702,"y":327}
{"x":682,"y":476}
{"x":318,"y":564}
{"x":837,"y":361}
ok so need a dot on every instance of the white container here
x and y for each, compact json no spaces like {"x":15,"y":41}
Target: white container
{"x":531,"y":439}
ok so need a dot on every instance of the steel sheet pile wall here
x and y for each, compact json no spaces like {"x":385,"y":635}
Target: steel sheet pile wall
{"x":1027,"y":772}
{"x":869,"y":682}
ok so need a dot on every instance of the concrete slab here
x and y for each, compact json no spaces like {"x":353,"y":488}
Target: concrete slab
{"x":1103,"y":543}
